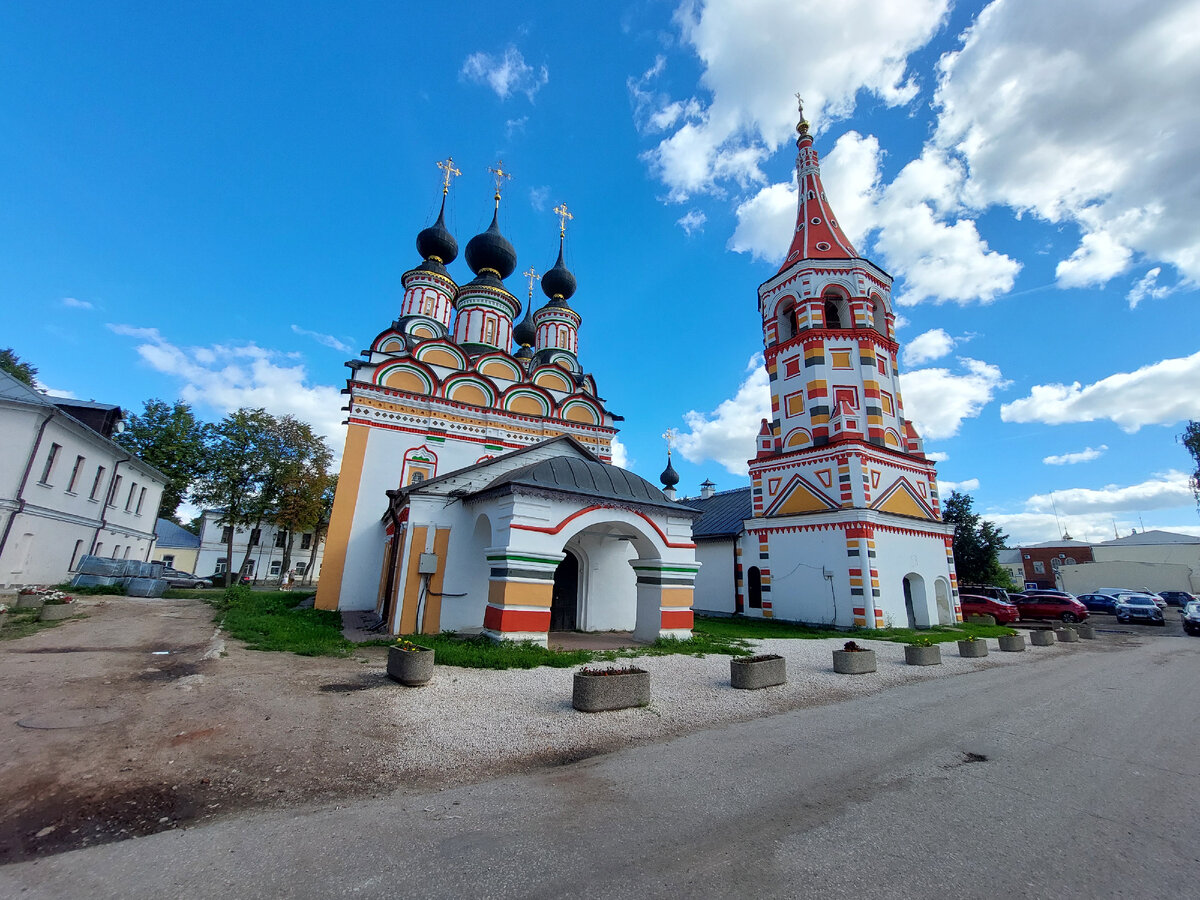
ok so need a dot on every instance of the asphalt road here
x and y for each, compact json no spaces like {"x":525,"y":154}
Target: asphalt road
{"x":1075,"y":776}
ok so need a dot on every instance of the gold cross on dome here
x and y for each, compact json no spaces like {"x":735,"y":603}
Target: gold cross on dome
{"x":500,"y":175}
{"x":563,"y":215}
{"x":448,"y":172}
{"x":533,"y":276}
{"x":671,"y":436}
{"x":800,"y":104}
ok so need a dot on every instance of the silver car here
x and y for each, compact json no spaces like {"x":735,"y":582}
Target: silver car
{"x":177,"y":579}
{"x":1191,"y":617}
{"x":1140,"y":607}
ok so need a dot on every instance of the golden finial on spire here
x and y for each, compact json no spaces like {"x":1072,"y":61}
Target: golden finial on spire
{"x":802,"y":125}
{"x":448,"y":171}
{"x":671,"y":436}
{"x":563,"y":215}
{"x":500,"y":175}
{"x":533,"y":276}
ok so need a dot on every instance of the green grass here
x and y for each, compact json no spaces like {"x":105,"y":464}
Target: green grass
{"x":104,"y":590}
{"x":737,"y":627}
{"x":269,"y":620}
{"x":24,"y":622}
{"x":482,"y":652}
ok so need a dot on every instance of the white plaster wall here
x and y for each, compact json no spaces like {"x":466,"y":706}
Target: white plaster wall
{"x":608,"y":586}
{"x":1088,"y":577}
{"x":467,"y":570}
{"x":18,"y":429}
{"x":716,"y":589}
{"x":897,"y":556}
{"x":1184,"y":554}
{"x":799,"y":590}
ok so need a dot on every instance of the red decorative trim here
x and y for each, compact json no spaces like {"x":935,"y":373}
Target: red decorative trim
{"x":498,"y":619}
{"x":555,"y":529}
{"x":677,"y":618}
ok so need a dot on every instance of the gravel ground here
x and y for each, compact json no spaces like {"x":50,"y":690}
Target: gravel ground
{"x":466,"y":723}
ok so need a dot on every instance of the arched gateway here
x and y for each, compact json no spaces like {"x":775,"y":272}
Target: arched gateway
{"x":559,"y":539}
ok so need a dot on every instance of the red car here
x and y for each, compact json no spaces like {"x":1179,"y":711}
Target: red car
{"x":1004,"y":613}
{"x":1056,"y":605}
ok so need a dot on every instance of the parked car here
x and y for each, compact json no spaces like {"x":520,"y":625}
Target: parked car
{"x":1178,"y":598}
{"x":1191,"y":617}
{"x":177,"y":579}
{"x":1140,"y":607}
{"x":985,"y":590}
{"x":1046,"y":605}
{"x":217,"y":579}
{"x":1105,"y":603}
{"x":1153,"y":598}
{"x":1004,"y":612}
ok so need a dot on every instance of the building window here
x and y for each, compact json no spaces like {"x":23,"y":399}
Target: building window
{"x":116,"y":554}
{"x":276,"y":568}
{"x":305,"y":541}
{"x":169,"y":560}
{"x":300,"y":567}
{"x":51,"y":457}
{"x":754,"y":577}
{"x":255,"y":536}
{"x":248,"y":568}
{"x":75,"y":474}
{"x":226,"y":534}
{"x":1039,"y":567}
{"x":116,"y":488}
{"x":141,"y":499}
{"x":127,"y":549}
{"x":878,"y":316}
{"x":417,"y":478}
{"x":222,"y":566}
{"x":96,"y":483}
{"x":132,"y":494}
{"x":99,"y":547}
{"x":75,"y":554}
{"x":489,"y":332}
{"x":280,"y":539}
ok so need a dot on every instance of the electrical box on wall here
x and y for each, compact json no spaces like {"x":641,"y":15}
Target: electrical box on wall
{"x":427,"y":564}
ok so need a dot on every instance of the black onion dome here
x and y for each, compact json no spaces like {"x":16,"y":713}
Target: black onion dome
{"x":669,"y":477}
{"x":491,"y":250}
{"x":559,"y":283}
{"x":524,"y":333}
{"x":524,"y":352}
{"x":436,"y":242}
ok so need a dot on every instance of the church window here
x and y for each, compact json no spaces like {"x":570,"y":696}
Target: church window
{"x":791,"y":367}
{"x":417,"y":478}
{"x":754,"y":577}
{"x":881,"y":363}
{"x":489,"y":332}
{"x":878,"y":316}
{"x":785,"y":323}
{"x":832,"y":318}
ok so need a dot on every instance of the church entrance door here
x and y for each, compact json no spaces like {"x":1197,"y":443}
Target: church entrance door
{"x":564,"y":602}
{"x":908,"y":604}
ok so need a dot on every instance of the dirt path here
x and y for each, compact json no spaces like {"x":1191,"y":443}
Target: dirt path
{"x":104,"y":736}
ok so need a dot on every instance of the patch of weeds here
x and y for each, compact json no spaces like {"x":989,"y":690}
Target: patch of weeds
{"x":23,"y":621}
{"x":700,"y":644}
{"x":740,"y":627}
{"x":269,"y":620}
{"x":93,"y":590}
{"x":482,"y":652}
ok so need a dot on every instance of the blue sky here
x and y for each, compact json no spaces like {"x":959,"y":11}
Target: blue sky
{"x":216,"y":202}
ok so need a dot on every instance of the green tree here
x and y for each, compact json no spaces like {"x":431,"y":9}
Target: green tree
{"x":233,"y":473}
{"x":168,"y":437}
{"x":322,"y":525}
{"x":300,"y":478}
{"x":22,"y":371}
{"x":1191,"y":441}
{"x":977,"y":543}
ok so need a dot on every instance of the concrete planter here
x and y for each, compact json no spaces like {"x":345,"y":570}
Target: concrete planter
{"x":923,"y":656}
{"x":1012,"y":643}
{"x":29,"y":601}
{"x":1066,"y":635}
{"x":981,"y":620}
{"x":1086,"y":632}
{"x":596,"y":690}
{"x":1043,"y":638}
{"x":854,"y":662}
{"x":757,"y":672}
{"x":52,"y":612}
{"x":411,"y":668}
{"x":972,"y":649}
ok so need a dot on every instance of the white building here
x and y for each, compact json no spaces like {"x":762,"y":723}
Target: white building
{"x":267,"y":545}
{"x":66,"y":489}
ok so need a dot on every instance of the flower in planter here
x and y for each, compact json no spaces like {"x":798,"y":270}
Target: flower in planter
{"x":921,"y":642}
{"x":407,"y":645}
{"x":627,"y":670}
{"x":765,"y":657}
{"x":970,"y":639}
{"x":57,"y":598}
{"x":851,"y":647}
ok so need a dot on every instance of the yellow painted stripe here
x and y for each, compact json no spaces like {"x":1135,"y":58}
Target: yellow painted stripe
{"x":329,"y":586}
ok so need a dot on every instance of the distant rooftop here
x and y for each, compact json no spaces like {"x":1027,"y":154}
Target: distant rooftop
{"x":1152,"y":537}
{"x":722,"y":514}
{"x":1049,"y":544}
{"x":172,"y":534}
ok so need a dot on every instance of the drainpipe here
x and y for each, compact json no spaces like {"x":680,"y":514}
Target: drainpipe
{"x":24,"y":480}
{"x":104,"y":503}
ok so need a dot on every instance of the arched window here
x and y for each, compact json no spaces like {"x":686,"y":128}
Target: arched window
{"x":785,"y":325}
{"x":489,"y":332}
{"x":833,"y":317}
{"x":754,"y":578}
{"x":878,"y":315}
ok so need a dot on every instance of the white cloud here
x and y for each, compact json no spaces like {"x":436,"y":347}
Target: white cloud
{"x":727,"y":434}
{"x":927,"y":347}
{"x":514,"y":126}
{"x":229,"y":377}
{"x":1147,"y":286}
{"x":963,"y":487}
{"x":620,"y":454}
{"x":72,"y":303}
{"x":1070,"y":459}
{"x":1035,"y":106}
{"x":1158,"y":394}
{"x":539,"y":197}
{"x":53,"y":392}
{"x":751,"y":63}
{"x":505,"y":74}
{"x":938,"y":457}
{"x":938,"y":400}
{"x":692,"y":221}
{"x":327,"y":340}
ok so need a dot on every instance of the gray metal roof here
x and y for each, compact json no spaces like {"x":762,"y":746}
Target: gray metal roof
{"x":721,"y":514}
{"x":586,"y":476}
{"x":15,"y":389}
{"x":1152,"y":537}
{"x":1047,"y":545}
{"x":172,"y":534}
